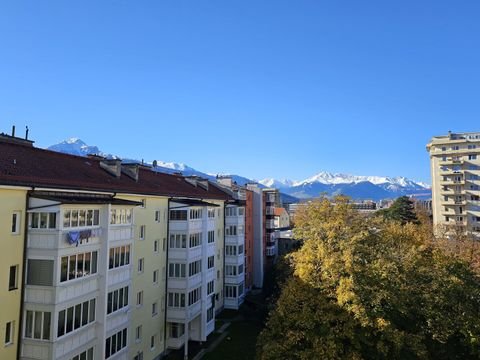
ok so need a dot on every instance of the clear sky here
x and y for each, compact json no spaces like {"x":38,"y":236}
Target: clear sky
{"x":275,"y":88}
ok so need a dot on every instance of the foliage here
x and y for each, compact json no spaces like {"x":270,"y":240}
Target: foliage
{"x":369,"y":288}
{"x":402,"y":210}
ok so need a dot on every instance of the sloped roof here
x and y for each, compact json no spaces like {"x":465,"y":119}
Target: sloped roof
{"x":280,"y":211}
{"x":22,"y":165}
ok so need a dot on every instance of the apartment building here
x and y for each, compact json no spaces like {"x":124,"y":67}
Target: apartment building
{"x":235,"y":249}
{"x":455,"y":170}
{"x":12,"y":232}
{"x":257,"y":233}
{"x":99,"y":239}
{"x":271,"y":199}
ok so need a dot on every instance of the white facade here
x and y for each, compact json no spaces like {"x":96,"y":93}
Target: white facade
{"x":79,"y":269}
{"x":234,"y":256}
{"x":193,"y":266}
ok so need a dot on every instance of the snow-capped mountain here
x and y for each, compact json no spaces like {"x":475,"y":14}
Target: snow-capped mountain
{"x":279,"y":184}
{"x":75,"y":146}
{"x":355,"y":186}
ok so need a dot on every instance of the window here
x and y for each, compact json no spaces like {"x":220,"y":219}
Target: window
{"x":231,"y":230}
{"x":210,"y":287}
{"x":141,"y":234}
{"x":194,"y":267}
{"x":240,"y":269}
{"x":176,"y":300}
{"x":139,"y":356}
{"x":75,"y":317}
{"x":231,"y":250}
{"x":240,"y":249}
{"x":13,"y":278}
{"x":85,"y":355}
{"x":80,"y":218}
{"x":115,"y":343}
{"x":140,"y":265}
{"x":155,"y":246}
{"x":178,"y":241}
{"x":117,"y":299}
{"x":120,"y":216}
{"x":155,"y":277}
{"x":78,"y":265}
{"x":230,"y":270}
{"x":195,"y":240}
{"x":140,"y":298}
{"x":195,"y":214}
{"x":211,"y":236}
{"x":154,"y":308}
{"x":43,"y":220}
{"x":472,"y":157}
{"x":16,"y":223}
{"x":138,"y":333}
{"x":9,"y":330}
{"x":230,"y":291}
{"x":211,"y":213}
{"x":157,"y":215}
{"x":164,"y":244}
{"x":241,"y":211}
{"x":176,"y":330}
{"x":194,"y":296}
{"x":210,"y":313}
{"x":444,"y":148}
{"x":152,"y":342}
{"x":37,"y":325}
{"x":176,"y":270}
{"x":40,"y":272}
{"x":119,"y":256}
{"x":211,"y":262}
{"x":231,"y":211}
{"x":456,"y":147}
{"x":178,"y":215}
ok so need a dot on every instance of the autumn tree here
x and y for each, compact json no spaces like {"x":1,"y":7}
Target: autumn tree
{"x":369,"y":288}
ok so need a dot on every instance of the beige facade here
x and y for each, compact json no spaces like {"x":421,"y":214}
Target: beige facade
{"x":455,"y":170}
{"x":12,"y":233}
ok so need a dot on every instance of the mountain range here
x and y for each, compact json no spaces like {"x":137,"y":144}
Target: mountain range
{"x":357,"y":187}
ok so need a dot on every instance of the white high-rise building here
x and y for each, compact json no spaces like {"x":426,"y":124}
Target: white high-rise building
{"x":455,"y":169}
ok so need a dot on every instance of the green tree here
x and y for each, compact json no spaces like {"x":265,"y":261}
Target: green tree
{"x":366,"y":288}
{"x":402,"y":210}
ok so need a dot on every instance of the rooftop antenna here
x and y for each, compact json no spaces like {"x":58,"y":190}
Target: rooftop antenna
{"x":26,"y":132}
{"x":13,"y":131}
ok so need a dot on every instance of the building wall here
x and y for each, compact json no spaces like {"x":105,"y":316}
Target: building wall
{"x":249,"y":236}
{"x":258,"y":238}
{"x":12,"y":200}
{"x":455,"y":170}
{"x":152,"y":249}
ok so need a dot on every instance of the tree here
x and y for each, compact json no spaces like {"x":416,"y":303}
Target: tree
{"x":368,"y":288}
{"x":402,"y":210}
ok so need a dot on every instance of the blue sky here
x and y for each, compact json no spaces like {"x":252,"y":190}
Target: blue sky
{"x":259,"y":88}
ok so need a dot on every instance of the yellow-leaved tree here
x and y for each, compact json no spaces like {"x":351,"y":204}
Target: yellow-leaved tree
{"x":372,"y":288}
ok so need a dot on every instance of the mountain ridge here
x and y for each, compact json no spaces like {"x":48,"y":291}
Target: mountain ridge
{"x":324,"y":182}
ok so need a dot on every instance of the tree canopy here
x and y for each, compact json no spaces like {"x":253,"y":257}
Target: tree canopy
{"x":369,"y":288}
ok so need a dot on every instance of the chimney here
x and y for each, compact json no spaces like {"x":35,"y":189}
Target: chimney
{"x":225,"y":181}
{"x":13,"y":131}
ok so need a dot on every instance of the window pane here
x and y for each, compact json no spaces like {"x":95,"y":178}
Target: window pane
{"x":37,"y":330}
{"x":29,"y":324}
{"x":78,"y":315}
{"x":85,"y":313}
{"x":69,"y":326}
{"x":61,"y":323}
{"x":46,"y":325}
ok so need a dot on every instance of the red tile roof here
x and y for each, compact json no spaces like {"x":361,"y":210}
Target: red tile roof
{"x":29,"y":166}
{"x":279,"y":211}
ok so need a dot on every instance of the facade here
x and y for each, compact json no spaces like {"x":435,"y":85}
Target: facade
{"x":12,"y":232}
{"x":271,"y":199}
{"x":455,"y":170}
{"x":120,"y":262}
{"x":249,"y":238}
{"x":282,"y":219}
{"x":258,"y":230}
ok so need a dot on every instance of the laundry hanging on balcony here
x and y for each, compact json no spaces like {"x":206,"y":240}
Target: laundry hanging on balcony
{"x":73,"y":237}
{"x":85,"y":234}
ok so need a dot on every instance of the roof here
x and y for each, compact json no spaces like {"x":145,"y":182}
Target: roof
{"x":280,"y":211}
{"x":22,"y":165}
{"x":75,"y":198}
{"x":194,"y":202}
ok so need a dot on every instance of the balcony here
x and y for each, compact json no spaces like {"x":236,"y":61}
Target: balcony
{"x":234,"y":279}
{"x":184,"y":314}
{"x":53,"y":239}
{"x":270,"y":224}
{"x":234,"y":303}
{"x":235,"y":239}
{"x":270,"y":251}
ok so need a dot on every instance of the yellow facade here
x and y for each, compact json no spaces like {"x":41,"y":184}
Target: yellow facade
{"x":153,"y":216}
{"x":12,"y":234}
